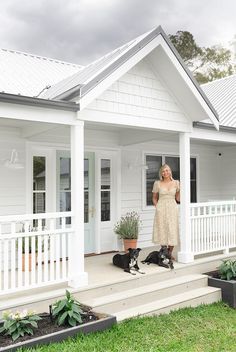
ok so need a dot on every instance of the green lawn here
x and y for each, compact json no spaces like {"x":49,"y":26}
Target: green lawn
{"x":204,"y":329}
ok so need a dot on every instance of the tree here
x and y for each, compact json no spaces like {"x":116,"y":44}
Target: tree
{"x":206,"y":64}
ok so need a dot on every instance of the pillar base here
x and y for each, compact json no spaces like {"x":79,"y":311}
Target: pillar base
{"x":184,"y":257}
{"x":80,"y":280}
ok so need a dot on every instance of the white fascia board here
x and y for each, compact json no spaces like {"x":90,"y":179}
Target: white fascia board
{"x":210,"y":135}
{"x":39,"y":114}
{"x":132,"y":121}
{"x":189,"y":83}
{"x":119,"y":72}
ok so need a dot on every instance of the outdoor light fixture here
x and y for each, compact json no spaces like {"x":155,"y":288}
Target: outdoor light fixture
{"x":13,"y":162}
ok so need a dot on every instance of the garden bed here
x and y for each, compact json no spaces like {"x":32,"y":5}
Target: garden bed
{"x":228,"y":287}
{"x":48,"y":331}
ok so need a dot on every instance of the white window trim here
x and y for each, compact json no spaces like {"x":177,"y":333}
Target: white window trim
{"x":49,"y":154}
{"x":163,"y":155}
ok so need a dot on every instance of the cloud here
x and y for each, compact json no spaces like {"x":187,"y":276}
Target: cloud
{"x":82,"y":30}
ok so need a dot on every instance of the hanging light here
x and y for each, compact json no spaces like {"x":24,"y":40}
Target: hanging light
{"x":13,"y":162}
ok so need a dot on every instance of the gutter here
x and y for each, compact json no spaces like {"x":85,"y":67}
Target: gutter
{"x":208,"y":126}
{"x":43,"y":103}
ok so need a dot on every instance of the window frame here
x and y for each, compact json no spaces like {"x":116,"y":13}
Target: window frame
{"x":146,"y":207}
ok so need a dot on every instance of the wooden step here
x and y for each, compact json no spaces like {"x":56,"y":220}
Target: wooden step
{"x":146,"y":293}
{"x":193,"y":298}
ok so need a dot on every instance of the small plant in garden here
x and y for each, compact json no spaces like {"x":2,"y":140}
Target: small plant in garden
{"x":128,"y":226}
{"x":227,"y":270}
{"x":67,"y":311}
{"x":19,"y":323}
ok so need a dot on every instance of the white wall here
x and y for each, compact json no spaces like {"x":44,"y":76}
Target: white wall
{"x":227,"y":172}
{"x":215,"y":175}
{"x":12,"y":185}
{"x":141,"y":93}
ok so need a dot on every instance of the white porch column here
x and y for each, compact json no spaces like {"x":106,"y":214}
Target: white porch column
{"x":77,"y":276}
{"x":185,"y":255}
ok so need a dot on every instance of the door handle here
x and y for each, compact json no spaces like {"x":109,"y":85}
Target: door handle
{"x":92,"y":211}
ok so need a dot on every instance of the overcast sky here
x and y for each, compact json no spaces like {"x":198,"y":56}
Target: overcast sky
{"x":80,"y":31}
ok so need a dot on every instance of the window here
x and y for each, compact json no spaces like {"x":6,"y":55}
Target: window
{"x":105,"y":190}
{"x":65,"y":184}
{"x":39,"y":184}
{"x":154,"y":163}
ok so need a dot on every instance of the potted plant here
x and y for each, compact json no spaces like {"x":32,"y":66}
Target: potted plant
{"x":128,"y":228}
{"x":225,"y":278}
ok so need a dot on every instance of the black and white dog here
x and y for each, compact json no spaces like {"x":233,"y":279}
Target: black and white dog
{"x":128,"y":261}
{"x":161,"y":258}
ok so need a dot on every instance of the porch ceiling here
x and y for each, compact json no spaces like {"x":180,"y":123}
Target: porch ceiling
{"x":27,"y":129}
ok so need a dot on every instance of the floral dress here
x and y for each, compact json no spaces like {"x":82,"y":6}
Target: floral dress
{"x":166,"y":220}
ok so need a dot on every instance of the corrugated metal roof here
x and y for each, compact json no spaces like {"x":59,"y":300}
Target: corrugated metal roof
{"x":27,"y":74}
{"x":90,"y":71}
{"x":222,"y":95}
{"x":85,"y":80}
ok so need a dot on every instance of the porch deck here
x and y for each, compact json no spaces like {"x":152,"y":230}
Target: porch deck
{"x":104,"y":279}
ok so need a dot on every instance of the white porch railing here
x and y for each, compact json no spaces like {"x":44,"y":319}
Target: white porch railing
{"x":33,"y":250}
{"x":213,"y":226}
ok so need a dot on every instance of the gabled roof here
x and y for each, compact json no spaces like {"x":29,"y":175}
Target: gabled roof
{"x":222,"y":95}
{"x":96,"y":70}
{"x":88,"y":79}
{"x":27,"y":74}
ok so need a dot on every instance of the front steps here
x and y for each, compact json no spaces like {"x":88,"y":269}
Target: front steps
{"x":159,"y":290}
{"x":157,"y":298}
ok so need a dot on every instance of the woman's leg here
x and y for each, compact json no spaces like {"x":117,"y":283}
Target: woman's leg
{"x":170,"y":248}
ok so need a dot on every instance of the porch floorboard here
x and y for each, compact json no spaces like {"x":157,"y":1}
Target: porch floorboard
{"x":104,"y":277}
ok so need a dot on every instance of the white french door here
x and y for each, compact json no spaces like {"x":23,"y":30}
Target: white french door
{"x":50,"y":176}
{"x":89,"y":203}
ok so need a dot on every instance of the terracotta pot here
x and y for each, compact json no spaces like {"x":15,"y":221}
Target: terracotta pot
{"x":129,"y":243}
{"x":30,"y":261}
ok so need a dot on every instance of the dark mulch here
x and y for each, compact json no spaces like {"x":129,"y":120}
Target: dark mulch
{"x":48,"y":326}
{"x":214,"y":274}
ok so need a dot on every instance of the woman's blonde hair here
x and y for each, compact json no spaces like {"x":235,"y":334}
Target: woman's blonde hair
{"x":161,"y":170}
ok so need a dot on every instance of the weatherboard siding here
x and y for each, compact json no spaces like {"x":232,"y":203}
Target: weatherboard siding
{"x":215,"y":175}
{"x":141,"y":93}
{"x":12,"y":185}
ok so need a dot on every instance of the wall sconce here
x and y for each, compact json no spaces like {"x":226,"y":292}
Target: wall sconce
{"x":13,"y":162}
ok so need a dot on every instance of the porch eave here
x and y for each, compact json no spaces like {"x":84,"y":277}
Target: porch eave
{"x":34,"y":101}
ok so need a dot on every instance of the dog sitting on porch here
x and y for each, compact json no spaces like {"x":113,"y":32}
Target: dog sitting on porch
{"x":161,"y":258}
{"x":128,"y":261}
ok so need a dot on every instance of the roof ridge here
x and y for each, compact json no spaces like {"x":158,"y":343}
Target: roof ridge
{"x":42,"y":57}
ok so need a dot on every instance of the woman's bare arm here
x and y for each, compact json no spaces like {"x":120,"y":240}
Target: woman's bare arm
{"x":154,"y":198}
{"x":177,"y":197}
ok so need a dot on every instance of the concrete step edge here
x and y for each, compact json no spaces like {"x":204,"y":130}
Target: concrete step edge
{"x":166,"y":302}
{"x":142,"y":290}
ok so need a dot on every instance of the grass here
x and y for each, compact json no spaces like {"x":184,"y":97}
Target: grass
{"x":209,"y":328}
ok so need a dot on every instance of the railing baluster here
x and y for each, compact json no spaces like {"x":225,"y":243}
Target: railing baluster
{"x":213,"y":226}
{"x":63,"y":246}
{"x":52,"y":249}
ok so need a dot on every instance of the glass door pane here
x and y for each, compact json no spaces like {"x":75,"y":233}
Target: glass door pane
{"x":153,"y":163}
{"x":39,"y":184}
{"x":105,"y":190}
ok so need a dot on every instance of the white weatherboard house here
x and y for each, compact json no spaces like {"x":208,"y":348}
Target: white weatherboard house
{"x":80,"y":146}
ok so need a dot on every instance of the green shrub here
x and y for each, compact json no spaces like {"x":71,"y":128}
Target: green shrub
{"x":19,"y":323}
{"x":227,"y":269}
{"x":67,"y":311}
{"x":128,"y":226}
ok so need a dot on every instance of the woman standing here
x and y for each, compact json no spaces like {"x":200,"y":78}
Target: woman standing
{"x":166,"y":192}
